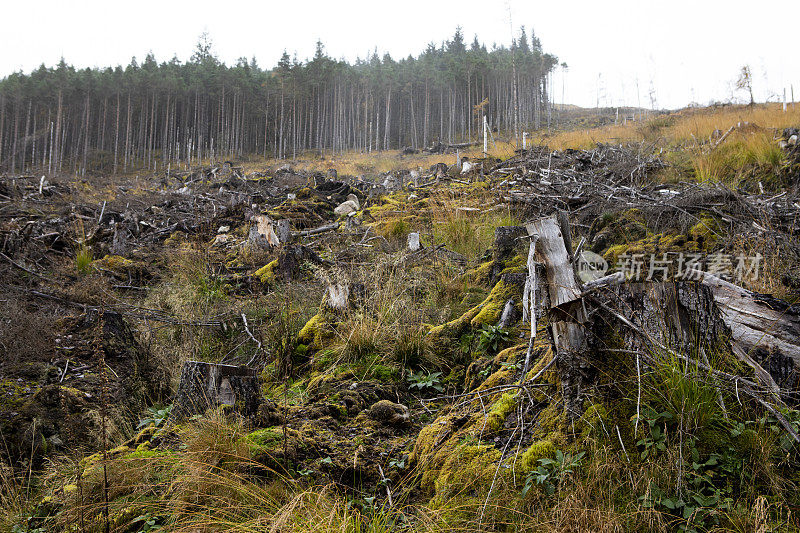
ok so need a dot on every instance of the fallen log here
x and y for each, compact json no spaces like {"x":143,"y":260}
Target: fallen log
{"x":764,"y":330}
{"x":316,"y":231}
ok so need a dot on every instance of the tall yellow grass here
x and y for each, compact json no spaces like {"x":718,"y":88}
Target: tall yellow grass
{"x":688,"y":126}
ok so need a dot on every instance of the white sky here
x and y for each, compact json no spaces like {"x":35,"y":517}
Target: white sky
{"x":689,"y":50}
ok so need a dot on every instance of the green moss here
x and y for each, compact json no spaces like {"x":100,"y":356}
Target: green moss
{"x":72,"y":391}
{"x":500,"y":411}
{"x":266,"y":274}
{"x":115,"y":263}
{"x":652,"y":245}
{"x":479,"y":274}
{"x":705,"y":233}
{"x":487,"y":312}
{"x":492,"y":306}
{"x":541,"y":449}
{"x":469,"y":467}
{"x":265,"y":438}
{"x":552,"y":418}
{"x":594,"y":417}
{"x":385,"y":373}
{"x":515,"y":265}
{"x":310,"y":332}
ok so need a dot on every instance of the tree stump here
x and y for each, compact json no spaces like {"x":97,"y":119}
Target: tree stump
{"x":690,"y":318}
{"x":568,"y":320}
{"x":506,"y":240}
{"x":207,"y":385}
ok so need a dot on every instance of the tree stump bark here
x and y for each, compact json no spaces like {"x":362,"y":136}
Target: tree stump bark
{"x":207,"y":385}
{"x":568,"y":320}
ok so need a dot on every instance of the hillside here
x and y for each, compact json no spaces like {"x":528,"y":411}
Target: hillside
{"x":598,"y":333}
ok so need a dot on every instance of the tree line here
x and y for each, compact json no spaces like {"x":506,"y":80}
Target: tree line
{"x":151,"y":115}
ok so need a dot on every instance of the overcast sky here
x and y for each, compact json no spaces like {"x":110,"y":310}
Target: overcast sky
{"x":686,"y":50}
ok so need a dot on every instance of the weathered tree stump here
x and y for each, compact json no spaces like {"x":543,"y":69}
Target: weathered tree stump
{"x":568,"y":320}
{"x":689,"y":318}
{"x":284,"y":231}
{"x":506,"y":240}
{"x":207,"y":385}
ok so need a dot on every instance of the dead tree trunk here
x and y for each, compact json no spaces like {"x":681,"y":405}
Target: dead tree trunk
{"x":208,"y":385}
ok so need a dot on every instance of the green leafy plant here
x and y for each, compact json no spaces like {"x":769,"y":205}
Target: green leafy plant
{"x":551,"y":472}
{"x":656,"y":439}
{"x":156,"y":416}
{"x":706,"y":493}
{"x":148,"y":523}
{"x":491,"y":338}
{"x":425,"y":381}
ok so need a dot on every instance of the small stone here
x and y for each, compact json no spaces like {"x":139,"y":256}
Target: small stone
{"x":413,"y":242}
{"x":351,"y":205}
{"x":221,"y":240}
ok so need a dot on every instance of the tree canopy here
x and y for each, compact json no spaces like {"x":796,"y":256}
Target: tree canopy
{"x":151,"y":114}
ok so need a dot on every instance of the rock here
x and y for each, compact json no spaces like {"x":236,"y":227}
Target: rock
{"x":390,"y":413}
{"x":351,"y":205}
{"x":413,"y":242}
{"x":221,"y":240}
{"x":391,"y":183}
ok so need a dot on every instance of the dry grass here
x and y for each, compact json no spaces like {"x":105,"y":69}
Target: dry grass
{"x":355,"y":163}
{"x":688,"y":139}
{"x":688,"y":126}
{"x":462,"y":222}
